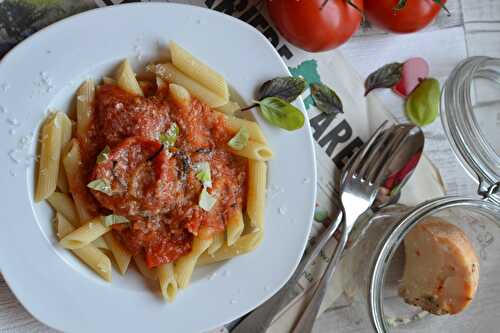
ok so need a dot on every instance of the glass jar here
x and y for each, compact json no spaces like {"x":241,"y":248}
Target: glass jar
{"x":470,"y":112}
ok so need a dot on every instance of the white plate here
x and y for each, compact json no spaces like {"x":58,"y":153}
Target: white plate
{"x":42,"y":73}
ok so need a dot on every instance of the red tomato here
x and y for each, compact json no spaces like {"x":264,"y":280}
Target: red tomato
{"x":415,"y":15}
{"x":316,"y":25}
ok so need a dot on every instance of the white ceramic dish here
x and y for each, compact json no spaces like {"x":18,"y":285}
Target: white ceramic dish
{"x":42,"y":73}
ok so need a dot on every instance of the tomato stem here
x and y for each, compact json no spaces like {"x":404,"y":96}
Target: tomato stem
{"x":353,"y":5}
{"x":440,"y":3}
{"x":400,"y":5}
{"x":349,"y":2}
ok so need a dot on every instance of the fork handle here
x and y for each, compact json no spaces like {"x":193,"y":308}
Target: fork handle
{"x":308,"y":317}
{"x":259,"y":320}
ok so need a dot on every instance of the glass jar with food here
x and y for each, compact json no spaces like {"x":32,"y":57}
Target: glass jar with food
{"x":436,"y":266}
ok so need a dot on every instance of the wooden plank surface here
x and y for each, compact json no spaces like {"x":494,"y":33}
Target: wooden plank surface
{"x":477,"y":22}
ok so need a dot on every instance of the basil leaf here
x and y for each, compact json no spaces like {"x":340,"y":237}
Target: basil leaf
{"x":104,"y":155}
{"x":101,"y":185}
{"x":287,"y":88}
{"x":280,"y":113}
{"x":325,"y":99}
{"x":169,"y":138}
{"x":203,"y":173}
{"x":384,"y":77}
{"x":240,"y":140}
{"x":206,"y":200}
{"x":109,"y":220}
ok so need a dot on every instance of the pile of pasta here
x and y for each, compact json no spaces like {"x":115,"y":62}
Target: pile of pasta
{"x":89,"y":238}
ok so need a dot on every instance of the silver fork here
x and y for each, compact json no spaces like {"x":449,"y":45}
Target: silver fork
{"x":360,"y":183}
{"x":259,"y":320}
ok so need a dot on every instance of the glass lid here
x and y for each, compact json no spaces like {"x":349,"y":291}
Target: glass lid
{"x":470,"y":112}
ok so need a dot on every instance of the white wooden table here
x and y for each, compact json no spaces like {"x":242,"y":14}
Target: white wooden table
{"x":473,"y":29}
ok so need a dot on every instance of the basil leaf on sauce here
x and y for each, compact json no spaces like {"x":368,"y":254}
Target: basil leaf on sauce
{"x":169,"y":138}
{"x":240,"y":139}
{"x":206,"y":200}
{"x":203,"y":173}
{"x":101,"y":185}
{"x":104,"y":155}
{"x":280,"y":113}
{"x":109,"y":220}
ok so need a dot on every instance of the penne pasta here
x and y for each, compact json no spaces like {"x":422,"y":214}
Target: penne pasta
{"x":125,"y":79}
{"x":217,"y":243}
{"x":168,"y":284}
{"x":254,"y":131}
{"x":229,"y":108}
{"x":184,"y":265}
{"x":168,"y":72}
{"x":121,"y":255}
{"x":179,"y":94}
{"x":89,"y":254}
{"x":198,"y":71}
{"x":68,"y":161}
{"x":234,"y":228}
{"x":244,"y":244}
{"x":84,"y":99}
{"x":50,"y":155}
{"x":81,"y":209}
{"x":108,"y":80}
{"x":85,"y":234}
{"x":66,"y":132}
{"x":254,"y":151}
{"x":256,"y":196}
{"x":63,"y":204}
{"x":100,"y":244}
{"x":150,"y":274}
{"x":72,"y":162}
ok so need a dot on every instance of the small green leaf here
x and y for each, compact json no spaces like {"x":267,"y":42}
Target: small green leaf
{"x":325,"y":99}
{"x":422,"y":106}
{"x":169,"y":138}
{"x":206,"y":200}
{"x":384,"y":77}
{"x":240,"y":140}
{"x":203,"y":173}
{"x":287,"y":88}
{"x":104,"y":155}
{"x":101,"y":185}
{"x":109,"y":220}
{"x":280,"y":113}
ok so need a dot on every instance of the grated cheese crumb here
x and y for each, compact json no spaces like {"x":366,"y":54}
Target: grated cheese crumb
{"x":13,"y":121}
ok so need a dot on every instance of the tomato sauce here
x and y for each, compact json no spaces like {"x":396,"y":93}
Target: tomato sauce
{"x":156,"y":187}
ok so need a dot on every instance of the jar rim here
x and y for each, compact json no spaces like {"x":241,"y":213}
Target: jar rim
{"x":466,"y":138}
{"x":387,"y":247}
